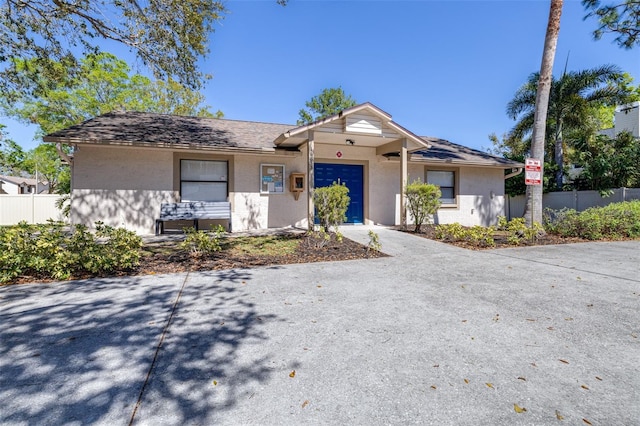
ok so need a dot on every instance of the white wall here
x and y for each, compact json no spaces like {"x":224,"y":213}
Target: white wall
{"x":10,"y":188}
{"x":627,"y":118}
{"x":29,"y":208}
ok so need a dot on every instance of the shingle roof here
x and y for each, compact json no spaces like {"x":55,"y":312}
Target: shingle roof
{"x":443,"y":151}
{"x":162,"y":129}
{"x":18,"y":180}
{"x":197,"y":132}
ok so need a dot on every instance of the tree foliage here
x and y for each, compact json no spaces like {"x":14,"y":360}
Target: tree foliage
{"x":102,"y":83}
{"x":621,"y":18}
{"x":169,"y":36}
{"x":574,"y":102}
{"x":42,"y":161}
{"x":609,"y":162}
{"x":331,"y":203}
{"x":423,"y":201}
{"x":329,"y":102}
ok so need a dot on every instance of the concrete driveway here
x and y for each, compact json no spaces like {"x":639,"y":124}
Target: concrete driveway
{"x":432,"y":335}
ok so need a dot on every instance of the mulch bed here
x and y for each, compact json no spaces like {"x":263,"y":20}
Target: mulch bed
{"x":500,"y":238}
{"x":165,"y":257}
{"x":160,"y":263}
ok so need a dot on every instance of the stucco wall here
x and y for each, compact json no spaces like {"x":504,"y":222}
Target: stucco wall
{"x":125,"y":186}
{"x":253,"y":210}
{"x":121,"y":186}
{"x":480,"y":198}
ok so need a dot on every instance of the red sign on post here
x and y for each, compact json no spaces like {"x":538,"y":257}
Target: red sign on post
{"x":532,"y":171}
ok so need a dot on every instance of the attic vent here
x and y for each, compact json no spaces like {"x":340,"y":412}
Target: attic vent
{"x":362,"y":124}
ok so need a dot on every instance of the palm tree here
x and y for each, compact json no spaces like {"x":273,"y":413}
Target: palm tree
{"x":572,"y":101}
{"x":541,"y":103}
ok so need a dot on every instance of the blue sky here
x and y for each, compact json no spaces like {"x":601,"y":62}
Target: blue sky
{"x":440,"y":68}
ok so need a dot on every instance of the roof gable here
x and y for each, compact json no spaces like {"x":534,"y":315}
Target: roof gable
{"x":368,"y":124}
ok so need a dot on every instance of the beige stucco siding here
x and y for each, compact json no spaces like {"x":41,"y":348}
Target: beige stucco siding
{"x":253,"y":210}
{"x":480,"y":198}
{"x":124,"y":186}
{"x":121,"y":186}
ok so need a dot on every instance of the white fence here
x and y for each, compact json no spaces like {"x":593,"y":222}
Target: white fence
{"x":30,"y":208}
{"x":577,"y":200}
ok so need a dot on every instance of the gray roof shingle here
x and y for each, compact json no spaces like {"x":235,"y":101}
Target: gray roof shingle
{"x":162,"y":129}
{"x":443,"y":151}
{"x":197,"y":132}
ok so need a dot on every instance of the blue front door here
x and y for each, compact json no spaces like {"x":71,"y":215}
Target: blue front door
{"x":353,"y":178}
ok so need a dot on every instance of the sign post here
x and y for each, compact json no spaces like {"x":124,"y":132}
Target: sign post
{"x":532,"y":176}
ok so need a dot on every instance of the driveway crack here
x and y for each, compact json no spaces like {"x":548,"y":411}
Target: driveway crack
{"x":157,"y":351}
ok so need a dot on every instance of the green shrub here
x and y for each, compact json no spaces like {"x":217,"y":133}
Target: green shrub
{"x":518,"y":231}
{"x":320,"y":238}
{"x":614,"y":221}
{"x":56,"y":251}
{"x":331,"y":203}
{"x":374,"y":242}
{"x":201,"y":243}
{"x":423,"y":201}
{"x":479,"y":236}
{"x":450,"y":232}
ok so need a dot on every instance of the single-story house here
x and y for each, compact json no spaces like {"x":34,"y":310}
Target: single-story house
{"x":14,"y":185}
{"x":126,"y":164}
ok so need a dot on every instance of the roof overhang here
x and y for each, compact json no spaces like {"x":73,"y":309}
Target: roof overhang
{"x":335,"y":130}
{"x":465,"y":162}
{"x":170,"y":145}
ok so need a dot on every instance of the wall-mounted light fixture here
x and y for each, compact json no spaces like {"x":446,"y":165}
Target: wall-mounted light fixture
{"x":350,"y":142}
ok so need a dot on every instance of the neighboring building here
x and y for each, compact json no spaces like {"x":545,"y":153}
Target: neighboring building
{"x":13,"y":185}
{"x":626,"y":118}
{"x":127,"y":163}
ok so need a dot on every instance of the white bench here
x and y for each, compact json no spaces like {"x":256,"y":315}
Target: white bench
{"x":193,"y":210}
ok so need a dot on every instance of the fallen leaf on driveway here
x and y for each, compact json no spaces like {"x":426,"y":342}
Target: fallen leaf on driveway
{"x":215,"y":383}
{"x":489,"y":385}
{"x":564,"y":361}
{"x":559,"y":416}
{"x":433,"y":387}
{"x":519,"y":409}
{"x":305,"y":403}
{"x":466,"y":381}
{"x":292,"y":374}
{"x":586,"y":421}
{"x":585,"y":387}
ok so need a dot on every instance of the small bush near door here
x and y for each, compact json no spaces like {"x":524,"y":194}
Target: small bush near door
{"x":423,"y":201}
{"x":331,"y":203}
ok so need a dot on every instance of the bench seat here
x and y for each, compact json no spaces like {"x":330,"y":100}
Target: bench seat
{"x":193,"y":210}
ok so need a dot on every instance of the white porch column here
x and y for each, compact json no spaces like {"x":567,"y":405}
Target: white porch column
{"x":403,"y":183}
{"x":310,"y":179}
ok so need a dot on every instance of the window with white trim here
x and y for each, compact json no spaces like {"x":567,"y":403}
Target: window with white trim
{"x":446,"y":180}
{"x":204,"y":180}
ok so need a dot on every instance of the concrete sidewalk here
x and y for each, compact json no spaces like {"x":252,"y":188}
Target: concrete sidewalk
{"x":433,"y":335}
